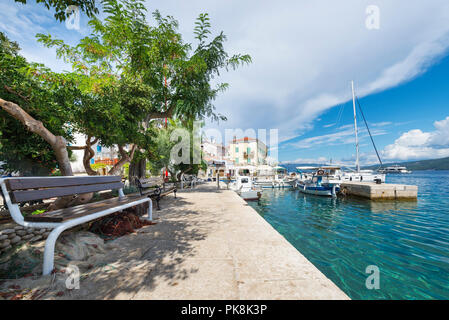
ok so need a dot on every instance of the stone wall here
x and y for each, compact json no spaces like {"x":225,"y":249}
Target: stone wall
{"x":12,"y":234}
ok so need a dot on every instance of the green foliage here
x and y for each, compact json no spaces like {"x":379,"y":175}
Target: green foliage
{"x":161,"y":156}
{"x":124,"y":74}
{"x":37,"y":212}
{"x":60,"y":6}
{"x":97,"y":166}
{"x":44,"y":96}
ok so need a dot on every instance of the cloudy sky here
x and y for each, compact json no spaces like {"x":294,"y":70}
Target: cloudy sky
{"x":305,"y":53}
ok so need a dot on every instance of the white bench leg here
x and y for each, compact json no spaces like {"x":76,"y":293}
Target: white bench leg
{"x":49,"y":252}
{"x":150,"y":211}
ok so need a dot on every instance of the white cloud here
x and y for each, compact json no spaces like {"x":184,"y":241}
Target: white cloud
{"x":416,"y":144}
{"x":345,"y":135}
{"x":304,"y":52}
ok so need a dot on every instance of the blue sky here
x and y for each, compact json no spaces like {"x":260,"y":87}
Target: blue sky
{"x":304,"y":56}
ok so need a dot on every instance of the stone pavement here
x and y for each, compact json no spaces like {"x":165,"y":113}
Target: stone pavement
{"x":207,"y":244}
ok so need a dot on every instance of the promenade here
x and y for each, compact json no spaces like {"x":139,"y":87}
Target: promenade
{"x":207,"y":244}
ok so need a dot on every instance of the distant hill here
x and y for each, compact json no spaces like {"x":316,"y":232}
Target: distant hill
{"x":434,"y":164}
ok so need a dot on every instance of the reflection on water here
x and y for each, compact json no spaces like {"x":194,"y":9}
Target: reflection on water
{"x":408,"y":241}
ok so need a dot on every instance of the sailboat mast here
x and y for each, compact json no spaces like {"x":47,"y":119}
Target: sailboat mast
{"x":357,"y":163}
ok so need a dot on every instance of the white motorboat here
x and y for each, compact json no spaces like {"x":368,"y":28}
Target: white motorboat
{"x":363,"y":176}
{"x":276,"y":177}
{"x":394,"y":169}
{"x":245,"y":189}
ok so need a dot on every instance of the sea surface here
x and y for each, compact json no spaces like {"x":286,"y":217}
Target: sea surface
{"x":407,"y":241}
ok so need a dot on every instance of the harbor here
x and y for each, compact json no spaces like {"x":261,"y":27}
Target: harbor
{"x":342,"y":236}
{"x":228,"y":151}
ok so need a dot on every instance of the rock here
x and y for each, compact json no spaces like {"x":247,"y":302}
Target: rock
{"x":5,"y":243}
{"x":35,"y":238}
{"x":3,"y":237}
{"x":42,"y":230}
{"x":21,"y":232}
{"x":7,"y":231}
{"x":6,"y":248}
{"x":28,"y":236}
{"x":15,"y":240}
{"x":45,"y":235}
{"x":19,"y":228}
{"x":12,"y":235}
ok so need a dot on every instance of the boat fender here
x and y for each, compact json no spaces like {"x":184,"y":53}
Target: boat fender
{"x":320,"y":172}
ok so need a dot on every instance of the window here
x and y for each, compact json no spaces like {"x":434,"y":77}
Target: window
{"x":236,"y":160}
{"x":236,"y":149}
{"x":248,"y":150}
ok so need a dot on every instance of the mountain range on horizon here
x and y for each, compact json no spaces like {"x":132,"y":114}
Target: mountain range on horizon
{"x":432,"y":164}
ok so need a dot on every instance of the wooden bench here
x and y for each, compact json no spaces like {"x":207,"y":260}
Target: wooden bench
{"x":18,"y":190}
{"x":155,"y":188}
{"x":188,"y":180}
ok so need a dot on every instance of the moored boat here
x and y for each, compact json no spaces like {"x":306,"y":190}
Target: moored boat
{"x":394,"y":169}
{"x":245,"y":188}
{"x":277,"y":177}
{"x":322,"y":181}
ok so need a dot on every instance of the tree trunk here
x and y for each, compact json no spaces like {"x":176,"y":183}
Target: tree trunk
{"x":89,"y":154}
{"x":137,"y":170}
{"x":58,"y":143}
{"x":125,"y":158}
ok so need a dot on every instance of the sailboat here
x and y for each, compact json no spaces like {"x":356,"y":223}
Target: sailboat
{"x":361,"y":175}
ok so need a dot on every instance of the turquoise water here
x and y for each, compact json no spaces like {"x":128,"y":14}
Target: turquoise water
{"x":407,"y":241}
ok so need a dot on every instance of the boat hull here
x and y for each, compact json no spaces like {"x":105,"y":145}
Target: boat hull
{"x":252,"y":195}
{"x":275,"y":184}
{"x":319,"y":191}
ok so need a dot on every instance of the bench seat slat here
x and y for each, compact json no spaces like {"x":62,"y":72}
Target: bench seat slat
{"x":167,"y":191}
{"x":28,"y":195}
{"x":82,"y":210}
{"x":46,"y":182}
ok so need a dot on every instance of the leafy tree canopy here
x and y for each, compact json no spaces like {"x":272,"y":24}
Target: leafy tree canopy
{"x":42,"y":94}
{"x":60,"y":6}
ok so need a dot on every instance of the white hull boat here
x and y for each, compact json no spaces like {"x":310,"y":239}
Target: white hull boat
{"x":394,"y":170}
{"x":275,"y":183}
{"x":245,"y":189}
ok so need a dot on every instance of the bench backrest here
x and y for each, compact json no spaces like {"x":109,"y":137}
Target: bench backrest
{"x":146,"y":184}
{"x":151,"y":182}
{"x":38,"y":188}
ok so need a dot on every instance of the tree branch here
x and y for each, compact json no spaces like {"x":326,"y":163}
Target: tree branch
{"x":58,"y":143}
{"x":161,"y":114}
{"x":125,"y":157}
{"x":11,"y":90}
